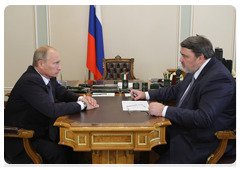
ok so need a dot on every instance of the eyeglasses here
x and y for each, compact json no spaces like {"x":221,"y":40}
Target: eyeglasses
{"x":137,"y":107}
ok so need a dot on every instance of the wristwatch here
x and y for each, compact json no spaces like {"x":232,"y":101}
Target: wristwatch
{"x":178,"y":72}
{"x":85,"y":105}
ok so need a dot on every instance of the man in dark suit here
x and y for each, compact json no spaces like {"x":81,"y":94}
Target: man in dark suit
{"x":31,"y":105}
{"x":205,"y":103}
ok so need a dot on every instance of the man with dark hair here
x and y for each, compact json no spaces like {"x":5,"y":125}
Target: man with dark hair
{"x":205,"y":103}
{"x":31,"y":105}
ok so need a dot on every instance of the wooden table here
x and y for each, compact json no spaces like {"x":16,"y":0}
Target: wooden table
{"x":110,"y":133}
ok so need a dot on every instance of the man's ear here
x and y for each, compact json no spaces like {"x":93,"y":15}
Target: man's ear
{"x":40,"y":64}
{"x":201,"y":59}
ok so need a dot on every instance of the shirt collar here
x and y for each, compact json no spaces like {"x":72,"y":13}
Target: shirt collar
{"x":46,"y":81}
{"x":196,"y":74}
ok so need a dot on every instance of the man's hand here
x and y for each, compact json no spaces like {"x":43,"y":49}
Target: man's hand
{"x":156,"y":108}
{"x":91,"y":102}
{"x":139,"y":95}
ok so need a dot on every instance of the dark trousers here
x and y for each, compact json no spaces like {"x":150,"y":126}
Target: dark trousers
{"x":163,"y":150}
{"x":52,"y":153}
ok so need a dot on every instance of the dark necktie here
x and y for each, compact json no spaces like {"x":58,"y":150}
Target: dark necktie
{"x":53,"y":131}
{"x":49,"y":88}
{"x":185,"y":94}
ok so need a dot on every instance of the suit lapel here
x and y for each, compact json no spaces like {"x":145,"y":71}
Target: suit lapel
{"x":39,"y":80}
{"x":209,"y":64}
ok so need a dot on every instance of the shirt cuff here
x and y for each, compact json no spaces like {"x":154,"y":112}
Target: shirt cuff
{"x":81,"y":104}
{"x":80,"y":97}
{"x":147,"y":96}
{"x":164,"y":111}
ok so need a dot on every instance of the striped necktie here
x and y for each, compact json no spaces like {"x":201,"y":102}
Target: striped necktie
{"x":186,"y":92}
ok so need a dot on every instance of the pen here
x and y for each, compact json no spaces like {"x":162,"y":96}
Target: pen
{"x":134,"y":95}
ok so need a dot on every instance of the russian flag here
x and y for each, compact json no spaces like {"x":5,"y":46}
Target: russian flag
{"x":95,"y":51}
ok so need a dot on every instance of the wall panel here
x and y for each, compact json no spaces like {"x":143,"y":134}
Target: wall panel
{"x":217,"y":23}
{"x":147,"y":33}
{"x":19,"y":41}
{"x":68,"y":34}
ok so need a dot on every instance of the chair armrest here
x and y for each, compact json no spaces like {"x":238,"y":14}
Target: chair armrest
{"x":223,"y":136}
{"x":227,"y":134}
{"x":16,"y":132}
{"x":11,"y":130}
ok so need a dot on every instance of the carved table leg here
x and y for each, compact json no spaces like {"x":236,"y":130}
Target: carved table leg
{"x":113,"y":157}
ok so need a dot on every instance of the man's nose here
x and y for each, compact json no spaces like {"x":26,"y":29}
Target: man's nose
{"x":181,"y":59}
{"x":59,"y":67}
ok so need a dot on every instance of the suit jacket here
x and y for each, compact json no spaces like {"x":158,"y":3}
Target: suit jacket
{"x":209,"y":106}
{"x":30,"y":107}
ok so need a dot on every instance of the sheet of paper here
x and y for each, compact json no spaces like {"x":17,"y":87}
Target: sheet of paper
{"x":135,"y":105}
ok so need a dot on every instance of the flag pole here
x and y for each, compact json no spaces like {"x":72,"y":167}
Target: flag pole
{"x":89,"y":74}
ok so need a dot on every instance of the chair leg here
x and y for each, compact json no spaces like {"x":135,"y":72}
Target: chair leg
{"x":214,"y":158}
{"x":36,"y":158}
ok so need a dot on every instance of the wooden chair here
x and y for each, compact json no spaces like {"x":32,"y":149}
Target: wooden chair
{"x":113,"y":68}
{"x":16,"y":132}
{"x":217,"y":156}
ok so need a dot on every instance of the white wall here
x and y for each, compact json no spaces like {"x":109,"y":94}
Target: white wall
{"x":218,"y":24}
{"x":19,"y":41}
{"x":69,"y":32}
{"x":150,"y":34}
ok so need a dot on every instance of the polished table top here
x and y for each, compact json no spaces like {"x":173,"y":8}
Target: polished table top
{"x":110,"y":112}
